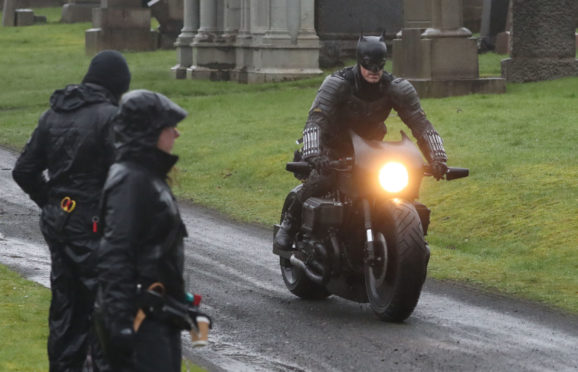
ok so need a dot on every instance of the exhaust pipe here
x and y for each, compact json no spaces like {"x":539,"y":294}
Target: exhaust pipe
{"x":316,"y":278}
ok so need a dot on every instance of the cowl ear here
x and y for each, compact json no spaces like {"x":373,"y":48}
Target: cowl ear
{"x":361,"y":37}
{"x":382,"y":36}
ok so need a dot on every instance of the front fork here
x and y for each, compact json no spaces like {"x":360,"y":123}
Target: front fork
{"x":371,"y":244}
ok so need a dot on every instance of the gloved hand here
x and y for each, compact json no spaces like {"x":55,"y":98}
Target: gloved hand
{"x":319,"y":162}
{"x":438,"y":169}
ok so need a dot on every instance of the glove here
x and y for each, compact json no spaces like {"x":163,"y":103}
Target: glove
{"x":319,"y":162}
{"x":438,"y":169}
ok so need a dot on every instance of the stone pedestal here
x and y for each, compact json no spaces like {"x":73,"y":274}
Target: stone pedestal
{"x":120,"y":25}
{"x":442,"y":59}
{"x":543,"y":41}
{"x":78,"y":11}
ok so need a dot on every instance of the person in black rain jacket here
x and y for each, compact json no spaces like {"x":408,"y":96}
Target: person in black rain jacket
{"x":63,"y":168}
{"x":142,"y":243}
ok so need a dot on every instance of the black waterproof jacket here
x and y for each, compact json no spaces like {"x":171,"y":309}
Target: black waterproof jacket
{"x":73,"y":143}
{"x":143,"y":232}
{"x":143,"y":235}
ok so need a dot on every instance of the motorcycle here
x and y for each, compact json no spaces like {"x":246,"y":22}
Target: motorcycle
{"x":365,"y":240}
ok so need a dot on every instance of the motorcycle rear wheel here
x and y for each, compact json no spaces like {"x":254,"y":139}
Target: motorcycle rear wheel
{"x":394,"y":296}
{"x":294,"y":278}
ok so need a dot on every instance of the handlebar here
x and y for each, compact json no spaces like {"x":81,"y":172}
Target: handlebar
{"x":453,"y":173}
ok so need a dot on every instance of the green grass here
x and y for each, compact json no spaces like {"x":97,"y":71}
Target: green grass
{"x":511,"y":226}
{"x":23,"y":329}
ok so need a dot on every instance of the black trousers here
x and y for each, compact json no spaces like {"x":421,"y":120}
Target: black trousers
{"x":157,"y":348}
{"x":71,"y":337}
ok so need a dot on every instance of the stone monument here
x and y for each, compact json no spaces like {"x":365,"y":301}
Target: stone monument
{"x":543,"y":41}
{"x":120,"y":25}
{"x":78,"y":10}
{"x":169,"y":14}
{"x":437,"y":54}
{"x":340,"y":22}
{"x":494,"y":16}
{"x":249,"y":41}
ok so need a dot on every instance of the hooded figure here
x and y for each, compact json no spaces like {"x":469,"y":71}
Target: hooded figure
{"x":63,"y":168}
{"x":143,"y":235}
{"x":359,"y":99}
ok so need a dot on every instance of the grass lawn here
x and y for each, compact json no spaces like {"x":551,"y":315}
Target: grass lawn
{"x":511,"y":226}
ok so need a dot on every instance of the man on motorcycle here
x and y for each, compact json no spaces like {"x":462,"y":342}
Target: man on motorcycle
{"x":357,"y":98}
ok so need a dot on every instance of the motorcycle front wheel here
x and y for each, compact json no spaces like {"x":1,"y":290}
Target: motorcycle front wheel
{"x":393,"y":283}
{"x":294,"y":278}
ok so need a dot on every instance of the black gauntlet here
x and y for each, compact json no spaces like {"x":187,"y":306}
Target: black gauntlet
{"x":432,"y":147}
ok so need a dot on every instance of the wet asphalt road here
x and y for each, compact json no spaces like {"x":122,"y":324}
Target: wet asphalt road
{"x":260,"y":326}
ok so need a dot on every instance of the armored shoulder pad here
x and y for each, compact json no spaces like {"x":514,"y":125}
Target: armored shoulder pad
{"x":332,"y":91}
{"x":404,"y":95}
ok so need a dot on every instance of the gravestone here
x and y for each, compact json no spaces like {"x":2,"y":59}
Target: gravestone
{"x":24,"y":17}
{"x":502,"y":45}
{"x":78,"y":10}
{"x":339,"y":23}
{"x":437,"y":54}
{"x":543,"y":41}
{"x":494,"y":16}
{"x":169,"y":14}
{"x":121,"y":25}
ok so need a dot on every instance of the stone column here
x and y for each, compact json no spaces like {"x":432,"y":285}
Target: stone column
{"x":232,"y":20}
{"x":208,"y":21}
{"x":78,"y":10}
{"x":543,"y":41}
{"x":306,"y":31}
{"x":443,"y":60}
{"x":120,"y":25}
{"x":213,"y":54}
{"x":242,"y":44}
{"x":278,"y":31}
{"x":276,"y":55}
{"x":185,"y":39}
{"x":8,"y":13}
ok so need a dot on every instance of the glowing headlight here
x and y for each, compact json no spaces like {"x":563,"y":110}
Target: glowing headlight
{"x":393,"y":177}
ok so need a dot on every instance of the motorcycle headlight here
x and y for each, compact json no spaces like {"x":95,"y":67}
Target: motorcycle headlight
{"x":393,"y":177}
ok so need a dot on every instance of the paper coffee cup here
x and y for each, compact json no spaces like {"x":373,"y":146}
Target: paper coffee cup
{"x":200,"y":334}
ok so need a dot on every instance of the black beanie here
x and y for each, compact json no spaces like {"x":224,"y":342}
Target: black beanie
{"x":110,"y":70}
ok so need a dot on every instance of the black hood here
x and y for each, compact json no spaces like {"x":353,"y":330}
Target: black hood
{"x":110,"y":70}
{"x":75,"y":96}
{"x":141,"y":117}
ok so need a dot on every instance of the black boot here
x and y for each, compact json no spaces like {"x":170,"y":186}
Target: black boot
{"x":287,"y":230}
{"x":286,"y":233}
